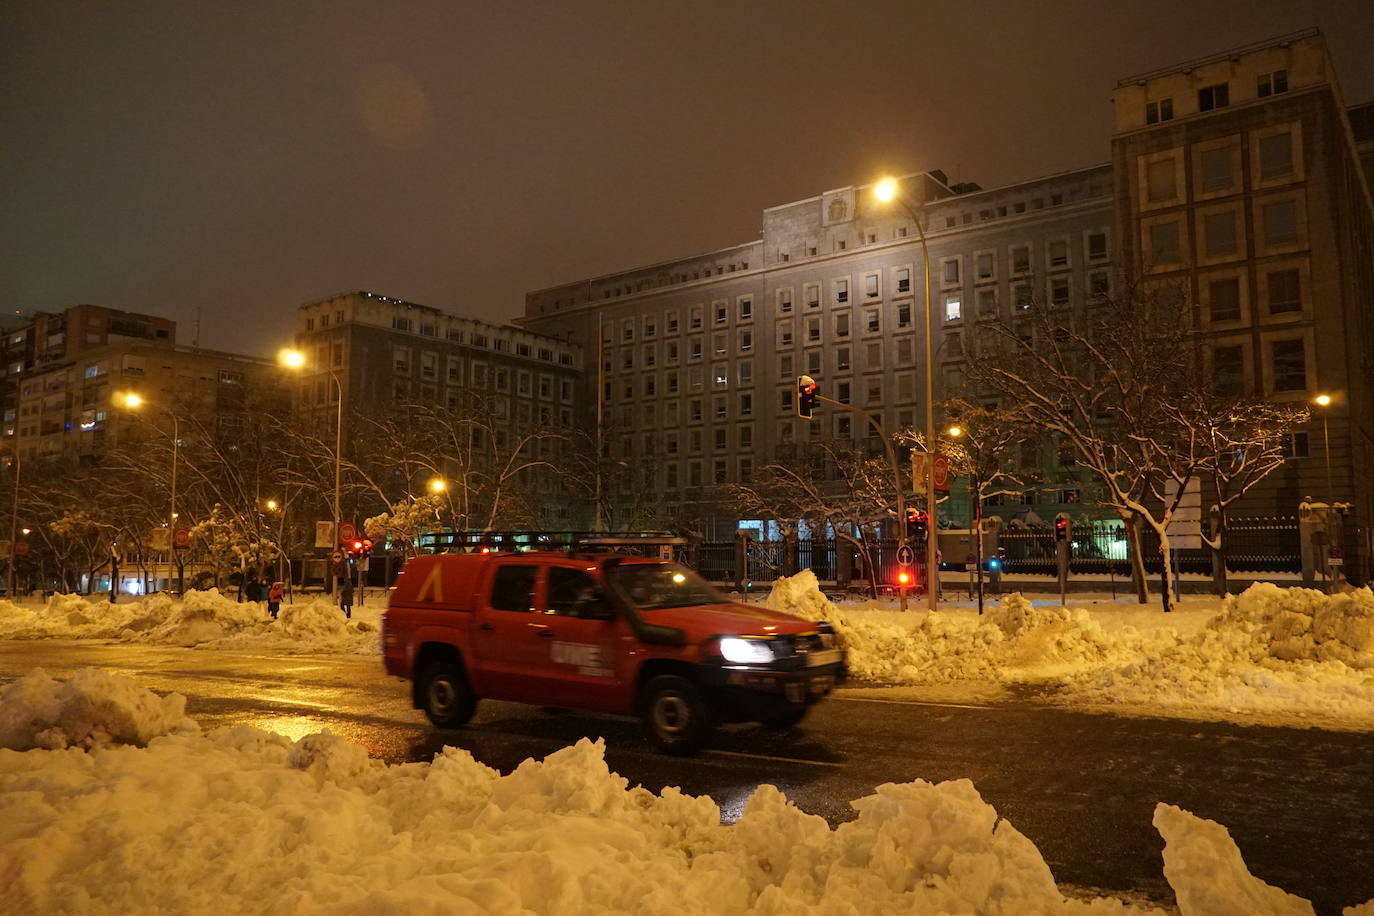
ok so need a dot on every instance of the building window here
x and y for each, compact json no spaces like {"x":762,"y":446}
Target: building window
{"x":1228,"y":370}
{"x":987,"y":302}
{"x":903,"y":279}
{"x":1285,"y":291}
{"x":904,"y":315}
{"x":1272,"y":83}
{"x":954,"y":307}
{"x":1224,"y":300}
{"x":1280,"y":222}
{"x":813,"y":362}
{"x":695,"y":319}
{"x":1161,"y":110}
{"x":841,"y":290}
{"x":1213,"y":97}
{"x":694,"y":348}
{"x":746,"y":372}
{"x":984,"y":266}
{"x":1160,"y":181}
{"x":1297,"y":446}
{"x":1276,"y":156}
{"x":746,"y":308}
{"x":1058,"y":254}
{"x":1216,"y":169}
{"x":1219,"y":234}
{"x":670,"y":323}
{"x":785,"y":301}
{"x":1099,"y":285}
{"x":1020,"y":259}
{"x":842,"y":392}
{"x":746,"y":406}
{"x":785,"y":334}
{"x":842,"y":324}
{"x":720,"y":376}
{"x":722,"y":313}
{"x":1164,"y":243}
{"x":873,"y":356}
{"x":813,"y":295}
{"x":1097,"y":246}
{"x":785,"y":364}
{"x":1288,"y":359}
{"x":1021,"y":297}
{"x":872,"y":321}
{"x":871,"y":286}
{"x":949,"y":271}
{"x":1059,"y":290}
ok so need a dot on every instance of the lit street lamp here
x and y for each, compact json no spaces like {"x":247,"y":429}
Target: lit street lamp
{"x":886,"y":190}
{"x":134,"y":401}
{"x":1323,"y":401}
{"x":295,"y":360}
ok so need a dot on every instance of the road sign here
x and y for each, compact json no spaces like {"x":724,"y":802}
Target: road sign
{"x":324,"y":534}
{"x":158,"y":539}
{"x":181,"y":537}
{"x":941,"y":471}
{"x":21,"y":548}
{"x":347,"y":532}
{"x":905,"y":555}
{"x":1185,"y":525}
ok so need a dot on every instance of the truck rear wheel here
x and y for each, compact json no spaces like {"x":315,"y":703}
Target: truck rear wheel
{"x":448,"y":701}
{"x":675,"y":716}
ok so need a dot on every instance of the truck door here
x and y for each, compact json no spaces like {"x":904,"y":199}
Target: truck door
{"x":583,"y":659}
{"x":508,"y":642}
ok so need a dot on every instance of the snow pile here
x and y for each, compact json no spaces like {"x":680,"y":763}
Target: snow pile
{"x":1290,"y":653}
{"x":203,"y":619}
{"x":245,"y":819}
{"x":92,"y":709}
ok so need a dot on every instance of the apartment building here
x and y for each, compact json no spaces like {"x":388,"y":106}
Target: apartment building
{"x":72,"y":409}
{"x":1240,"y":180}
{"x":700,"y":356}
{"x":1243,"y":185}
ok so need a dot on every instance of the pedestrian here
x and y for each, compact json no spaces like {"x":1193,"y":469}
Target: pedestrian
{"x":346,"y":598}
{"x":274,"y":595}
{"x":250,"y":589}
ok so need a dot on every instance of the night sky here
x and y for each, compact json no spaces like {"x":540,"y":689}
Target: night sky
{"x":243,"y":158}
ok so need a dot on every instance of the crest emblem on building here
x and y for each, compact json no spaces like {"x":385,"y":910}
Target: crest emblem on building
{"x":837,"y":206}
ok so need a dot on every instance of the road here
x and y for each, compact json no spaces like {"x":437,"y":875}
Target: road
{"x":1081,"y":786}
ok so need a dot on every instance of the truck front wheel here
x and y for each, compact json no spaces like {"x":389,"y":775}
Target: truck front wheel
{"x":675,"y":716}
{"x":448,"y":701}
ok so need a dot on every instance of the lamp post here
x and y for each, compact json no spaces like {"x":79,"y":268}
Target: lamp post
{"x":886,"y":190}
{"x":295,"y":359}
{"x":1324,"y":401}
{"x":14,"y":528}
{"x":134,"y":401}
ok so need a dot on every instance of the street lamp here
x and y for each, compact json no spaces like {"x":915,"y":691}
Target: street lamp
{"x":1324,"y":401}
{"x":887,"y":191}
{"x":14,"y":523}
{"x":295,"y":360}
{"x":134,"y":401}
{"x":437,"y":485}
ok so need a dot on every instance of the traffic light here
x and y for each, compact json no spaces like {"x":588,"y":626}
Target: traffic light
{"x":367,"y":547}
{"x":355,"y":548}
{"x":806,"y":396}
{"x":915,"y":525}
{"x":1062,"y":529}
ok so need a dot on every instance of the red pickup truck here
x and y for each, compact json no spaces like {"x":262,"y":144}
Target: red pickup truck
{"x":605,"y":633}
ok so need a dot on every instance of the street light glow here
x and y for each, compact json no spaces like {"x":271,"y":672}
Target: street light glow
{"x":291,"y":359}
{"x":437,"y":485}
{"x":129,"y":399}
{"x":956,"y":431}
{"x":272,"y":505}
{"x":886,"y":189}
{"x":1323,"y":400}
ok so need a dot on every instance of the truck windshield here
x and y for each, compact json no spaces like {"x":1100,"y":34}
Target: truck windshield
{"x":648,"y":586}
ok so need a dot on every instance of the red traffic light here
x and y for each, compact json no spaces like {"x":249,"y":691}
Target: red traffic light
{"x":357,"y":546}
{"x":1062,"y":527}
{"x":806,"y":396}
{"x":903,"y":578}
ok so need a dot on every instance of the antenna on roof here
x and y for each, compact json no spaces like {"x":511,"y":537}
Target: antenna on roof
{"x":195,"y":337}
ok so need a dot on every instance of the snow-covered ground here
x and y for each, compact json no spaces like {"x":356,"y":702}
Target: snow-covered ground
{"x":205,"y":619}
{"x":112,"y":801}
{"x":1269,"y":654}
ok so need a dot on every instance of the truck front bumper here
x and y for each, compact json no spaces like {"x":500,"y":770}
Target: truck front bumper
{"x":742,"y":693}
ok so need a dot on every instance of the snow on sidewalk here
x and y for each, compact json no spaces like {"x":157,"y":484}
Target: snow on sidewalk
{"x":1284,"y":654}
{"x":204,"y":619}
{"x":245,"y":820}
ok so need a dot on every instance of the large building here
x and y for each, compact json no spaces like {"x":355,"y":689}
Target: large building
{"x":1237,"y":179}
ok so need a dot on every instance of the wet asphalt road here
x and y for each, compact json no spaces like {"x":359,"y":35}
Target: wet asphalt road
{"x":1081,"y":786}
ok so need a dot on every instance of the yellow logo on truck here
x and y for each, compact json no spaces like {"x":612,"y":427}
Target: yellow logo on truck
{"x":434,"y":582}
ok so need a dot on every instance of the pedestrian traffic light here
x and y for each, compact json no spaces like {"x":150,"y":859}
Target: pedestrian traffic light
{"x":915,"y":525}
{"x":806,"y":396}
{"x":1062,"y":528}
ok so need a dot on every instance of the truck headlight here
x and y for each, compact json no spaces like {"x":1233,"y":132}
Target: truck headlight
{"x":746,"y":651}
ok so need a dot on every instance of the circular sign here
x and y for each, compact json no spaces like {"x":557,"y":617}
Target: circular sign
{"x":905,"y":555}
{"x":347,"y":531}
{"x":181,"y":537}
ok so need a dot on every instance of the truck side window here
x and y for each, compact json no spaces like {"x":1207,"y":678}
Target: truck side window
{"x":513,"y":588}
{"x":571,"y":591}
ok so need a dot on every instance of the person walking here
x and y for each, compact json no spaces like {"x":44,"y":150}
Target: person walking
{"x":250,"y":590}
{"x":274,"y":596}
{"x":346,"y":598}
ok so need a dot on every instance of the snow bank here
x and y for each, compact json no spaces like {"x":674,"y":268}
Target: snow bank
{"x":1281,"y":652}
{"x":92,"y":709}
{"x":242,"y":819}
{"x":204,"y":619}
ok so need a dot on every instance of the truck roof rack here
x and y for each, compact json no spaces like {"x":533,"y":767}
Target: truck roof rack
{"x":566,"y":541}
